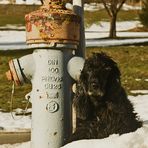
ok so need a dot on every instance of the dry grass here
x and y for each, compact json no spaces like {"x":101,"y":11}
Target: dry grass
{"x":132,"y":61}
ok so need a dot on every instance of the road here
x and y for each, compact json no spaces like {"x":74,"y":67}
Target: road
{"x":89,"y":43}
{"x":14,"y":137}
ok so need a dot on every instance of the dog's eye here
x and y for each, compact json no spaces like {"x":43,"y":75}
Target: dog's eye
{"x":94,"y":85}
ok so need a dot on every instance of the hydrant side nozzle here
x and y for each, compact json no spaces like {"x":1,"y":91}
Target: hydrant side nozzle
{"x":13,"y":73}
{"x":75,"y":66}
{"x":21,"y":70}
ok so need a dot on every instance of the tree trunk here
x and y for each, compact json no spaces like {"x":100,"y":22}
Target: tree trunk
{"x":112,"y":33}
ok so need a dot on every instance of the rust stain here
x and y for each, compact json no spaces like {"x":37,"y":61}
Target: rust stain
{"x":52,"y":22}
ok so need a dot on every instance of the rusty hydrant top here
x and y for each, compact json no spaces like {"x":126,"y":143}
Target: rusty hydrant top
{"x":52,"y":23}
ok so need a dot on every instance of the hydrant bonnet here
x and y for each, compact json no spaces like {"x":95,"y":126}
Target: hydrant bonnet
{"x":50,"y":24}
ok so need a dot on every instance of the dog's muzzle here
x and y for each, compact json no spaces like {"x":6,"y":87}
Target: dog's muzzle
{"x":95,"y":93}
{"x":94,"y":90}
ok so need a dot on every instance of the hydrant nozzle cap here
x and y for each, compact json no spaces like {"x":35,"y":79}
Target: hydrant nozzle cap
{"x":9,"y":75}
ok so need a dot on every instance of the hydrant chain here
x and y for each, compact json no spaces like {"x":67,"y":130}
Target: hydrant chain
{"x":12,"y":102}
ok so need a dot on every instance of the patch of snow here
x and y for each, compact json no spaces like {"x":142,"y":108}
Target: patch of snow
{"x":16,"y":39}
{"x":113,"y":42}
{"x":9,"y":124}
{"x":130,"y":7}
{"x":121,"y":26}
{"x":18,"y":145}
{"x":93,"y":7}
{"x":20,"y":2}
{"x":139,"y":91}
{"x":146,"y":80}
{"x":97,"y":35}
{"x":9,"y":26}
{"x":137,"y":139}
{"x":87,"y":7}
{"x":4,"y":2}
{"x":12,"y":36}
{"x":98,"y":6}
{"x":140,"y":103}
{"x":138,"y":79}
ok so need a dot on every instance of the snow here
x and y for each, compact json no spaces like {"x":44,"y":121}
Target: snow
{"x":141,"y":105}
{"x":114,"y":42}
{"x":16,"y":39}
{"x":121,"y":26}
{"x":12,"y":36}
{"x":130,"y":7}
{"x":98,"y":6}
{"x":4,"y":2}
{"x":139,"y":91}
{"x":9,"y":124}
{"x":87,"y":7}
{"x":27,"y":2}
{"x":137,"y":139}
{"x":18,"y":145}
{"x":93,"y":7}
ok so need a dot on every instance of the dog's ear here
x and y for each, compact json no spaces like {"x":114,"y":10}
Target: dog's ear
{"x":83,"y":79}
{"x":115,"y":71}
{"x":113,"y":81}
{"x":81,"y":102}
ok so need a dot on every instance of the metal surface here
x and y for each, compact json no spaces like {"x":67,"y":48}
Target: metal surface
{"x":52,"y":23}
{"x":54,"y":33}
{"x":27,"y":66}
{"x":15,"y":73}
{"x":49,"y":99}
{"x":75,"y":66}
{"x":78,"y":8}
{"x":21,"y":70}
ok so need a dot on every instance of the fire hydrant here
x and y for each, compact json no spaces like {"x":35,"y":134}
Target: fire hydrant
{"x":53,"y":33}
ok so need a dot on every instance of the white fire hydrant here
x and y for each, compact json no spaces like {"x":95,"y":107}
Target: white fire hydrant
{"x":53,"y":33}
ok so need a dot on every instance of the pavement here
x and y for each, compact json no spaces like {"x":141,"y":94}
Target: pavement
{"x":9,"y":137}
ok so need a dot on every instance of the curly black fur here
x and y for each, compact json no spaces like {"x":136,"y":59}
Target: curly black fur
{"x":100,"y":101}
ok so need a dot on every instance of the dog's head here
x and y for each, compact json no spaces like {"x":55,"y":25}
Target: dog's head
{"x":98,"y":74}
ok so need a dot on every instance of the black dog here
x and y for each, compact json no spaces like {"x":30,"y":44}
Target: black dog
{"x":101,"y":104}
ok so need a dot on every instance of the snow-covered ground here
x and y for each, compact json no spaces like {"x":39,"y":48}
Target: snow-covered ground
{"x":10,"y":122}
{"x":27,"y":2}
{"x":16,"y":39}
{"x":137,"y":139}
{"x":99,"y":6}
{"x":121,"y":26}
{"x":87,"y":7}
{"x":94,"y":31}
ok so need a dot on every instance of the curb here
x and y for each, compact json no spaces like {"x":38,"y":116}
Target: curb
{"x":10,"y":137}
